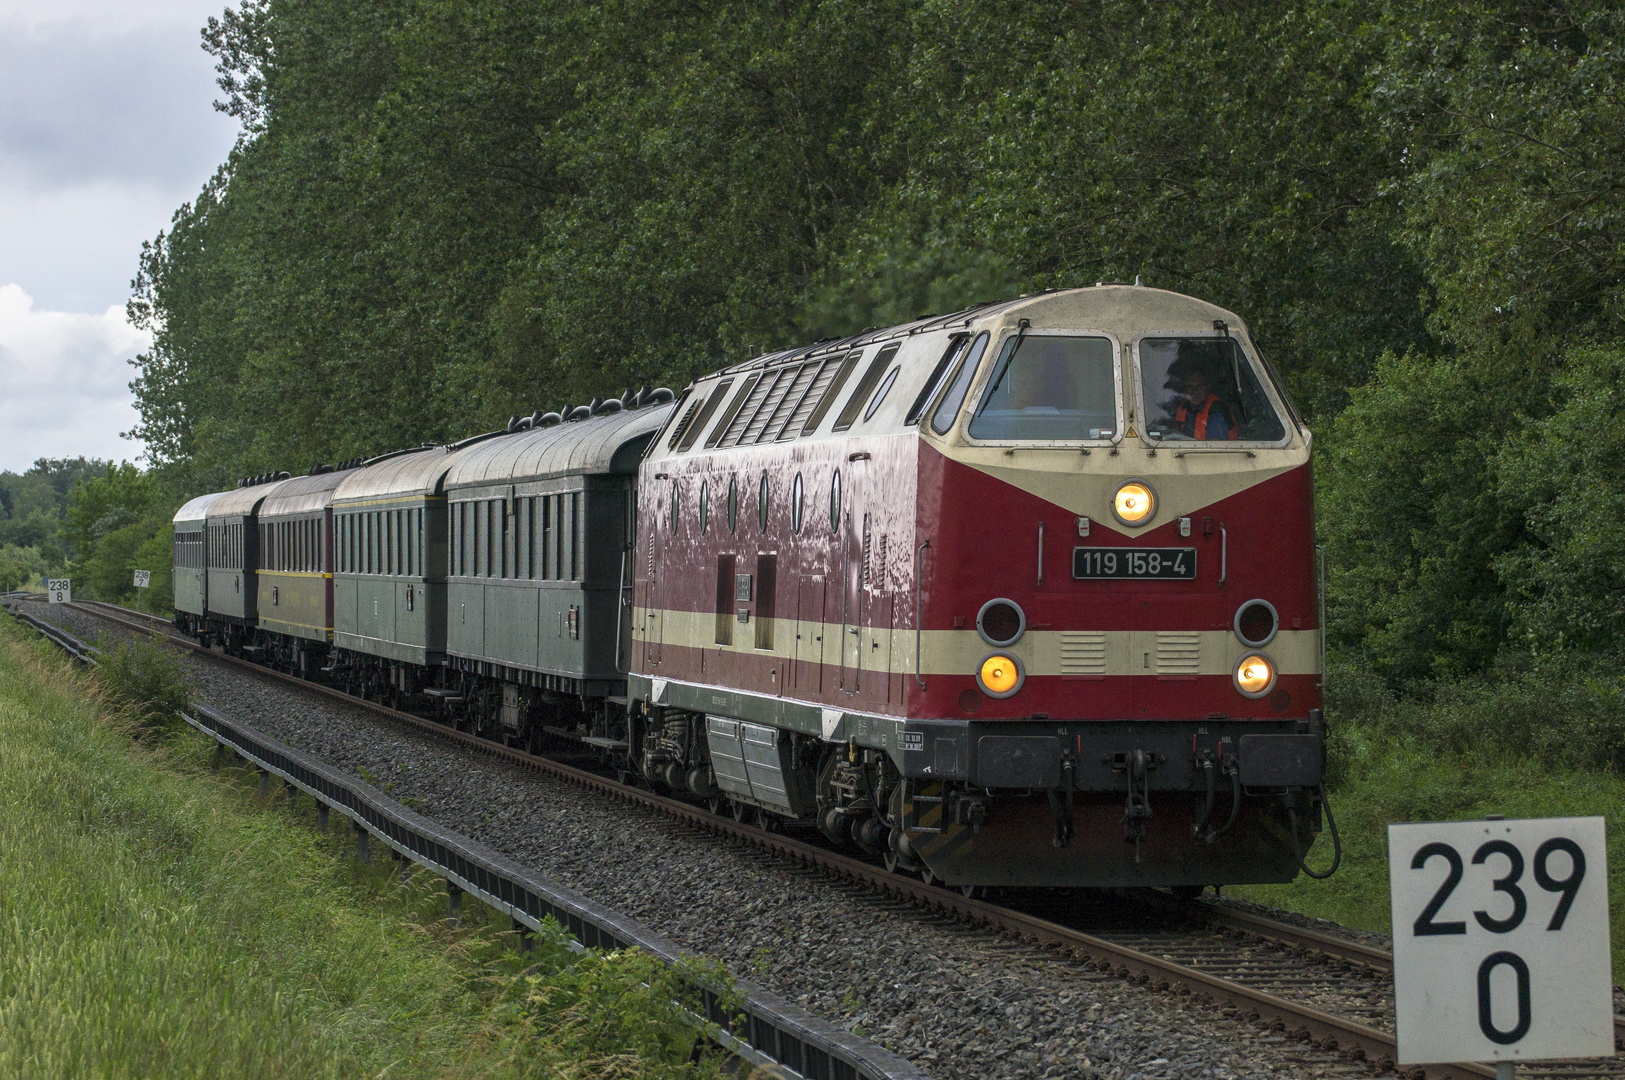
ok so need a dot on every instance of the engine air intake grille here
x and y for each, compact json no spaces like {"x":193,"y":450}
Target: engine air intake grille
{"x":1179,"y":652}
{"x":1083,"y":652}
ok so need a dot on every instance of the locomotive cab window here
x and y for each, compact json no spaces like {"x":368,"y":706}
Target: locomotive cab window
{"x":1204,"y":390}
{"x":1047,"y":387}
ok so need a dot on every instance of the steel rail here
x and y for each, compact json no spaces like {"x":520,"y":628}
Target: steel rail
{"x":1305,"y":1022}
{"x":758,"y":1025}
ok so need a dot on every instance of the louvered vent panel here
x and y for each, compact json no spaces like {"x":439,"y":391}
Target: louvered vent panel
{"x":682,"y":425}
{"x":809,"y":400}
{"x":1083,"y":652}
{"x":787,"y":403}
{"x":1179,"y":652}
{"x":748,"y":410}
{"x":780,"y":383}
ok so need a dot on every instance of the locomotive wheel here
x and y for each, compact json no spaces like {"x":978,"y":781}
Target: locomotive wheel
{"x":928,"y":877}
{"x":970,"y":892}
{"x":714,"y":804}
{"x":739,"y":811}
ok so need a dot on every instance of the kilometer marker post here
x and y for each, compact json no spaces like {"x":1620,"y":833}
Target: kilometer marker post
{"x":1501,"y":941}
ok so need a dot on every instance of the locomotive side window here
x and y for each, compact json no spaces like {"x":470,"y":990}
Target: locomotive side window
{"x":1206,"y":390}
{"x":795,"y":505}
{"x":1048,"y":387}
{"x":835,"y":502}
{"x":948,"y":411}
{"x":880,"y":395}
{"x":761,"y":505}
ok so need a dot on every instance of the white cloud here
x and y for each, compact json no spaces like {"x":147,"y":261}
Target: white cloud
{"x":64,"y":382}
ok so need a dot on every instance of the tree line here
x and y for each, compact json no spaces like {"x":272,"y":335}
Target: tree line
{"x":442,"y":213}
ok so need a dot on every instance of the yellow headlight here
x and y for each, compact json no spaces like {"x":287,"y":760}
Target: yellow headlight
{"x":1000,"y":675}
{"x":1134,"y":503}
{"x":1255,"y":675}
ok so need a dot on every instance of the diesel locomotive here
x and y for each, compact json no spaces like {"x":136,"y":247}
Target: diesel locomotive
{"x":1025,"y":595}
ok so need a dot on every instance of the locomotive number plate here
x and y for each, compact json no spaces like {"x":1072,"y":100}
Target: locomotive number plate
{"x":1166,"y":564}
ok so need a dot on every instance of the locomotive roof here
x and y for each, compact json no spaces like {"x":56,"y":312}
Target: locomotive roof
{"x":243,"y":501}
{"x":303,"y":494}
{"x":598,"y":444}
{"x":195,"y":510}
{"x":1126,"y":311}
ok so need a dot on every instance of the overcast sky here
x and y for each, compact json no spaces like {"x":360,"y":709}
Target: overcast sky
{"x":107,"y":125}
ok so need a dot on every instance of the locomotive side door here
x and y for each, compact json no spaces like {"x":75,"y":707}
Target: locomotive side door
{"x":809,"y":651}
{"x":854,"y":550}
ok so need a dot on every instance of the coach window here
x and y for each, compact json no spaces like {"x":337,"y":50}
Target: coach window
{"x":795,"y":505}
{"x":1046,"y":388}
{"x":835,"y":502}
{"x":733,"y":502}
{"x":705,"y":504}
{"x":761,"y":505}
{"x":675,"y":501}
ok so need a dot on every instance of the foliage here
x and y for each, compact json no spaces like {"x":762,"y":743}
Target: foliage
{"x":442,"y":213}
{"x":22,"y":568}
{"x":144,"y":682}
{"x":118,"y":523}
{"x":175,"y":924}
{"x":34,"y":503}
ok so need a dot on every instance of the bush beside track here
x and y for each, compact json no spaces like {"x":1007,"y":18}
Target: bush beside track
{"x":159,"y":919}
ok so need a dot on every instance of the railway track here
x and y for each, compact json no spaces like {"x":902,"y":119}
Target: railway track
{"x":1261,"y":967}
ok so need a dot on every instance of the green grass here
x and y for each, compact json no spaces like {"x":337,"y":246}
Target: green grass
{"x":1382,"y":779}
{"x":158,"y":919}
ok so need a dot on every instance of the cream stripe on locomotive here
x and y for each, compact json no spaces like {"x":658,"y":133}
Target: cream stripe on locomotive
{"x":1068,"y":653}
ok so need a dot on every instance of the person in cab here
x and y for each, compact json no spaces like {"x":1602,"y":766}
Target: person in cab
{"x":1199,"y":412}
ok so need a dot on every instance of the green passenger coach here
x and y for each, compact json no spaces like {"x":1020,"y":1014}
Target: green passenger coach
{"x":541,"y":528}
{"x":190,"y":572}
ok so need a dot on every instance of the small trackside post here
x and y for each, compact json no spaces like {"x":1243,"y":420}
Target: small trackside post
{"x":454,"y":903}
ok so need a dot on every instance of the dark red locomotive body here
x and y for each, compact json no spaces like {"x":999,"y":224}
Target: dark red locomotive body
{"x":1022,"y":596}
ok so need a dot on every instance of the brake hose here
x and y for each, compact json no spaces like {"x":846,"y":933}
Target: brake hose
{"x":1337,"y":841}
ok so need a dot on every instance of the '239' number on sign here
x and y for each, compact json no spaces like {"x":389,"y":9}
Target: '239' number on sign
{"x":1567,"y":887}
{"x":1501,"y":939}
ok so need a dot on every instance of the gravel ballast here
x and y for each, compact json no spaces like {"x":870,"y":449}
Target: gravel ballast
{"x":959,"y":1001}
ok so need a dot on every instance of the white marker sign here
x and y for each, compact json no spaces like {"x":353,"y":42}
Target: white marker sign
{"x":1501,"y":940}
{"x":143,"y":578}
{"x":59,"y":590}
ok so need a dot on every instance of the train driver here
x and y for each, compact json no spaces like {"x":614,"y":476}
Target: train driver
{"x":1198,"y":412}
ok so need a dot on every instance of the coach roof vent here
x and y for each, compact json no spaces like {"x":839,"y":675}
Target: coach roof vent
{"x":607,"y":406}
{"x":580,"y":412}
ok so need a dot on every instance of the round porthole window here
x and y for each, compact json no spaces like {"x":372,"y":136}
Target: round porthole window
{"x":795,"y":505}
{"x":1256,"y":623}
{"x":1001,"y":622}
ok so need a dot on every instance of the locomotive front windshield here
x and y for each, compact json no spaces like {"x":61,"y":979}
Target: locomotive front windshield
{"x":1050,"y":388}
{"x":1206,"y":390}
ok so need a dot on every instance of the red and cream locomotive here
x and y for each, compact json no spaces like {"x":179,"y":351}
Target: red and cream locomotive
{"x":1024,"y":595}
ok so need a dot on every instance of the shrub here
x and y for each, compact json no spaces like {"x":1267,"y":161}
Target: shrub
{"x":144,"y":683}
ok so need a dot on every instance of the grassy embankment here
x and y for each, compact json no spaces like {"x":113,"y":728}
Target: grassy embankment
{"x":158,"y":918}
{"x":1533,"y":743}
